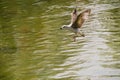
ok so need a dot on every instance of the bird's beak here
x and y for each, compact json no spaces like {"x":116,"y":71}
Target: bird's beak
{"x":61,"y":28}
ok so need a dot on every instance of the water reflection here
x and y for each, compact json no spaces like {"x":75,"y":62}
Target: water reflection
{"x":40,"y":51}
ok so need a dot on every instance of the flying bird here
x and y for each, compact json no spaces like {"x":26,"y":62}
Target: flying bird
{"x":77,"y":21}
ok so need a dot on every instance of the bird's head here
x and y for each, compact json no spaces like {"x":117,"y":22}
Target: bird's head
{"x":64,"y":27}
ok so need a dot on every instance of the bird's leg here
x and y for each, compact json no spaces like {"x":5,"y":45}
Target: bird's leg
{"x":82,"y":34}
{"x":74,"y":37}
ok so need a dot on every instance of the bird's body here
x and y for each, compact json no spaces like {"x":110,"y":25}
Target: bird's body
{"x":77,"y":21}
{"x":75,"y":30}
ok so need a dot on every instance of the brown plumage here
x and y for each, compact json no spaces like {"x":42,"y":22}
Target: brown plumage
{"x":80,"y":18}
{"x":73,"y":15}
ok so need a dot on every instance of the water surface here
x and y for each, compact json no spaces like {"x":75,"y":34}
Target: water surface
{"x":33,"y":48}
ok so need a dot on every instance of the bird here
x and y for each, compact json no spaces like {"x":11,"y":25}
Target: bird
{"x":77,"y":21}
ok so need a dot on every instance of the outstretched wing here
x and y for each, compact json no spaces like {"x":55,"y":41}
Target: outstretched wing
{"x":73,"y":15}
{"x":81,"y":18}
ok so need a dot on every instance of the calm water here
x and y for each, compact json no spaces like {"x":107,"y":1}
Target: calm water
{"x":33,"y":48}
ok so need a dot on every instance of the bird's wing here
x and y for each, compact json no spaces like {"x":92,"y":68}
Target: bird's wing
{"x":73,"y":15}
{"x":81,"y":18}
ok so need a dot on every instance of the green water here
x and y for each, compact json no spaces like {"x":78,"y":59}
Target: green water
{"x":32,"y":47}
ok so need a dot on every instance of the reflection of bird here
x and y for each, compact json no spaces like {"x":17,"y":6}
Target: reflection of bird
{"x":76,"y":22}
